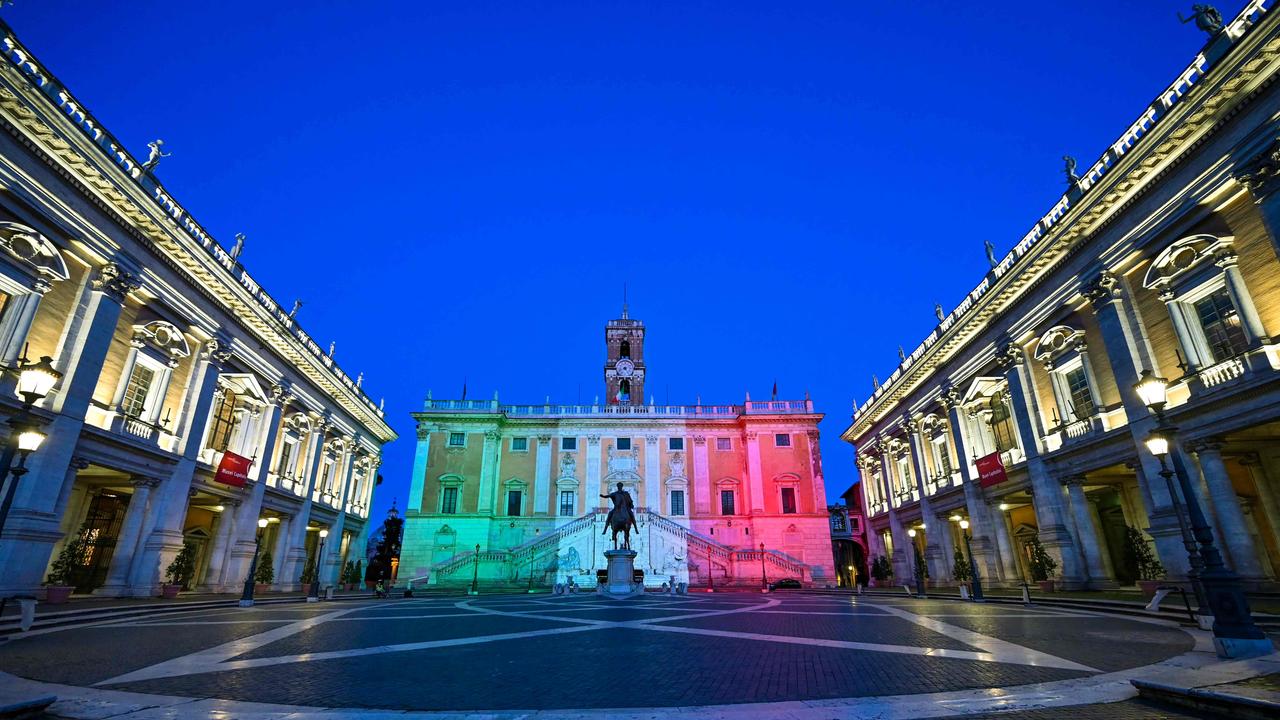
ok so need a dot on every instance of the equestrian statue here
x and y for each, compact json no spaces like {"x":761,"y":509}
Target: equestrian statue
{"x":622,"y":518}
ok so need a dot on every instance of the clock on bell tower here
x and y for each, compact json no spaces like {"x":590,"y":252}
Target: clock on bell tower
{"x":624,"y":366}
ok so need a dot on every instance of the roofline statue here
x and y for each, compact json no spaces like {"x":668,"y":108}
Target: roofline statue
{"x":1207,"y":19}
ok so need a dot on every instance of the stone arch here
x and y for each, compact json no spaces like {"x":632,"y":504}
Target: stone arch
{"x":1057,"y":341}
{"x":33,"y":250}
{"x":1183,"y":256}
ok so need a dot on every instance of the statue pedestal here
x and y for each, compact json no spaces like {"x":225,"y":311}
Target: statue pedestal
{"x":621,"y":573}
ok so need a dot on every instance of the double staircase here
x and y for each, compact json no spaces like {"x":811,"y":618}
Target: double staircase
{"x":730,"y":566}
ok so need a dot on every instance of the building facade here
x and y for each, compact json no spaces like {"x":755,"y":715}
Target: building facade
{"x":511,"y":494}
{"x":849,"y":539}
{"x":171,"y":358}
{"x":1018,"y":413}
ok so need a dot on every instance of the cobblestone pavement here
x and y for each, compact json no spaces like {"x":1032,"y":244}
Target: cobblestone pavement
{"x":538,"y":652}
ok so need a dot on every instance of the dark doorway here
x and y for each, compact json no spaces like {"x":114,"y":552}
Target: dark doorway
{"x":101,"y":529}
{"x":1111,"y":519}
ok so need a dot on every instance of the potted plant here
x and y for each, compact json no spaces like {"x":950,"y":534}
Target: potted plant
{"x":881,"y":570}
{"x":178,"y":574}
{"x":265,"y":574}
{"x":308,"y":574}
{"x":962,"y":572}
{"x":1042,"y":564}
{"x":1150,"y":571}
{"x":355,"y":576}
{"x":58,"y":587}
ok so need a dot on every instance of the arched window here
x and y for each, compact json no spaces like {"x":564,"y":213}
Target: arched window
{"x":624,"y":391}
{"x":626,"y":349}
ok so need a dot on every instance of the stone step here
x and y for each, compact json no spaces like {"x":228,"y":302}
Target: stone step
{"x":1219,"y":701}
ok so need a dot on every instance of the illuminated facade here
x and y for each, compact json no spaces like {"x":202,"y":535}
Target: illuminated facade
{"x":1018,"y":412}
{"x":711,"y":483}
{"x":172,"y":358}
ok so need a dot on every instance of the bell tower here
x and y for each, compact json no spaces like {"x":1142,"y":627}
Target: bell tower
{"x":624,"y":364}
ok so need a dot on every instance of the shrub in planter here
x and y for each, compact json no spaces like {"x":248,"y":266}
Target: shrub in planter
{"x":881,"y":570}
{"x":178,"y":574}
{"x":58,"y":585}
{"x":1042,"y":564}
{"x":962,"y":572}
{"x":308,"y":572}
{"x":265,"y":575}
{"x":357,"y":575}
{"x":1150,"y":571}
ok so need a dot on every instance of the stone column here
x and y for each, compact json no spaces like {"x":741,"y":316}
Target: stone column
{"x":127,"y":541}
{"x":32,"y":528}
{"x":1250,"y":321}
{"x":421,"y":458}
{"x":1051,"y":515}
{"x":933,"y":557}
{"x":652,"y":474}
{"x":240,"y":555}
{"x":295,"y":560}
{"x":755,"y":473}
{"x":542,"y":476}
{"x":1008,"y":553}
{"x":593,"y":472}
{"x":163,"y":536}
{"x":1261,"y":174}
{"x":985,"y":554}
{"x":815,"y":462}
{"x":901,"y":567}
{"x":279,"y":563}
{"x":1087,"y":533}
{"x":489,"y":458}
{"x":1267,"y":493}
{"x":701,"y":477}
{"x":223,"y":537}
{"x":1128,"y":354}
{"x":941,"y":530}
{"x":16,"y":323}
{"x":1231,"y":526}
{"x":331,"y":565}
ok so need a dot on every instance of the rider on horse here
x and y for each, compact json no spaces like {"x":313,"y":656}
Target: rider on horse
{"x":622,"y":516}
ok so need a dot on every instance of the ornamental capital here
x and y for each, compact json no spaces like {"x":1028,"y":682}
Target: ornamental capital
{"x":1102,"y":289}
{"x":544,"y":439}
{"x":593,"y":440}
{"x":651,"y":439}
{"x":911,"y":425}
{"x":216,"y":351}
{"x":699,"y":439}
{"x":951,"y":398}
{"x":1206,"y":445}
{"x":492,"y":435}
{"x":1010,"y":356}
{"x":1262,"y":173}
{"x":281,"y":395}
{"x":115,"y":282}
{"x":1225,"y":258}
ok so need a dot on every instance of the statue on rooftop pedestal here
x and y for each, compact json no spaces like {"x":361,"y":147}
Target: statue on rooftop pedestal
{"x":991,"y":254}
{"x":156,"y":153}
{"x":238,"y":248}
{"x":297,"y":305}
{"x":937,"y":310}
{"x":1069,"y":169}
{"x":1207,"y":19}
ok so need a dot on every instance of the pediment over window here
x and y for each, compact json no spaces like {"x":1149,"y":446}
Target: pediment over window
{"x":787,"y":479}
{"x":163,"y":336}
{"x":244,"y":386}
{"x":515,"y":484}
{"x":982,"y":389}
{"x":34,"y":250}
{"x":728,"y":483}
{"x":932,"y":425}
{"x":451,"y":480}
{"x":1183,"y":256}
{"x":1057,"y":341}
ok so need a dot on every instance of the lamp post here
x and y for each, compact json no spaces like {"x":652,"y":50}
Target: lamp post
{"x":246,"y":598}
{"x":973,"y":566}
{"x":315,"y":580}
{"x":35,"y":380}
{"x":475,"y":573}
{"x":533,"y":555}
{"x":764,"y":578}
{"x":1234,"y":634}
{"x":911,"y":533}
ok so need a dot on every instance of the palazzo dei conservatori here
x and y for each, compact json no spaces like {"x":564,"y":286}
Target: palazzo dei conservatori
{"x":510,"y":494}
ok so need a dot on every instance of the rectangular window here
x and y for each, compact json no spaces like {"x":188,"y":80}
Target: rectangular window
{"x":449,"y":501}
{"x":567,"y":505}
{"x":569,"y":443}
{"x":513,"y":503}
{"x":285,"y":468}
{"x":838,"y":523}
{"x":624,"y":443}
{"x":726,"y":502}
{"x":138,"y":390}
{"x":457,"y":439}
{"x":224,"y":421}
{"x":782,"y":440}
{"x":1077,"y":384}
{"x":942,"y":457}
{"x":789,"y":501}
{"x":675,"y":443}
{"x":1221,"y":325}
{"x":519,"y":444}
{"x":677,"y":502}
{"x":1002,"y":423}
{"x":724,"y":443}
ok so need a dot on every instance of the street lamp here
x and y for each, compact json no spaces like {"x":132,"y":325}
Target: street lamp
{"x":35,"y":380}
{"x":973,"y":566}
{"x":1158,"y":444}
{"x":764,"y":578}
{"x":246,"y":598}
{"x":475,"y":573}
{"x":1234,"y":634}
{"x":315,"y":580}
{"x":911,"y":533}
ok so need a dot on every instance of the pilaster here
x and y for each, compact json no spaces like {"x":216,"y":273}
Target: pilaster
{"x":542,"y":476}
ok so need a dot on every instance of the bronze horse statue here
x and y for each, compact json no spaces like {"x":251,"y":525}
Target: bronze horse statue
{"x":622,"y":518}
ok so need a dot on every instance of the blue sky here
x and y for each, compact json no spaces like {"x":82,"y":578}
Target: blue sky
{"x":460,"y":189}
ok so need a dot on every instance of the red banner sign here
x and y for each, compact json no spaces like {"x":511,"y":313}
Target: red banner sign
{"x":991,"y":470}
{"x":233,"y":470}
